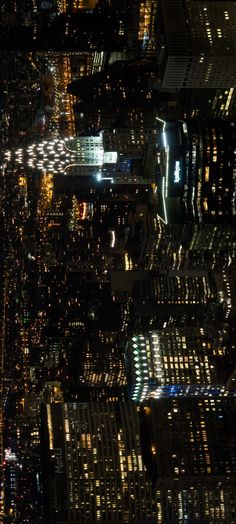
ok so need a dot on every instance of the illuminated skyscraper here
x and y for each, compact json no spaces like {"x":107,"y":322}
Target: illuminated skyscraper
{"x":96,"y":471}
{"x":197,"y":503}
{"x":173,"y":362}
{"x":182,"y":466}
{"x":210,"y":103}
{"x":119,"y":155}
{"x":225,"y":282}
{"x":103,"y":364}
{"x":83,"y":155}
{"x":201,"y":52}
{"x":146,"y":33}
{"x":189,"y":440}
{"x":198,"y":171}
{"x":212,"y":246}
{"x":176,"y":291}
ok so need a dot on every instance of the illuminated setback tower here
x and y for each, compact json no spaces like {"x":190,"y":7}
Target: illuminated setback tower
{"x":119,"y":155}
{"x":83,"y":155}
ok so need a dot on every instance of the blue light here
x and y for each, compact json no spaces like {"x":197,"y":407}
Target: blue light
{"x":164,"y":139}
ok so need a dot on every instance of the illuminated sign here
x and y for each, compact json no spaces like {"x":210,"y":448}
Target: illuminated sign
{"x":177,"y":172}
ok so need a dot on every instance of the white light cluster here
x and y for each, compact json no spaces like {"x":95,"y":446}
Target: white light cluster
{"x":145,"y":365}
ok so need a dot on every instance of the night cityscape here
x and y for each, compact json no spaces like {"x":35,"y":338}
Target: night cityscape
{"x":118,"y":261}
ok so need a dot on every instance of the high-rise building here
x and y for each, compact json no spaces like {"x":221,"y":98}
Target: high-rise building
{"x":71,"y":25}
{"x":123,"y":84}
{"x":93,"y":464}
{"x":178,"y":456}
{"x":3,"y":299}
{"x":201,"y":52}
{"x":84,"y":155}
{"x":212,"y":246}
{"x":225,"y":282}
{"x":197,"y":503}
{"x":175,"y":361}
{"x":181,"y":289}
{"x":223,"y":103}
{"x":189,"y":440}
{"x":81,"y":322}
{"x":177,"y":298}
{"x":198,"y":169}
{"x":82,"y":4}
{"x":110,"y":226}
{"x":119,"y":155}
{"x":147,"y":28}
{"x":208,"y":103}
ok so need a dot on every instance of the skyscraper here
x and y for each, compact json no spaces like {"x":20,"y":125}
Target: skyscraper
{"x":182,"y":465}
{"x":173,"y":362}
{"x":84,"y":155}
{"x":190,"y":440}
{"x":197,"y":180}
{"x":118,"y":155}
{"x":123,"y":84}
{"x":197,"y":503}
{"x":71,"y":25}
{"x":94,"y":465}
{"x":201,"y":53}
{"x":212,"y":246}
{"x":176,"y":297}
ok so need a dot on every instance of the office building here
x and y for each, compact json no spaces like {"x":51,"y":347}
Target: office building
{"x":126,"y":84}
{"x":208,"y":103}
{"x":181,"y":289}
{"x":225,"y":282}
{"x":197,"y":181}
{"x":212,"y":246}
{"x":175,"y":361}
{"x":196,"y":504}
{"x":71,"y":26}
{"x":201,"y":52}
{"x":189,"y":440}
{"x":93,"y":464}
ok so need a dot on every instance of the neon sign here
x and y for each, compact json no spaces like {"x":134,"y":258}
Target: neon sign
{"x":177,"y":172}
